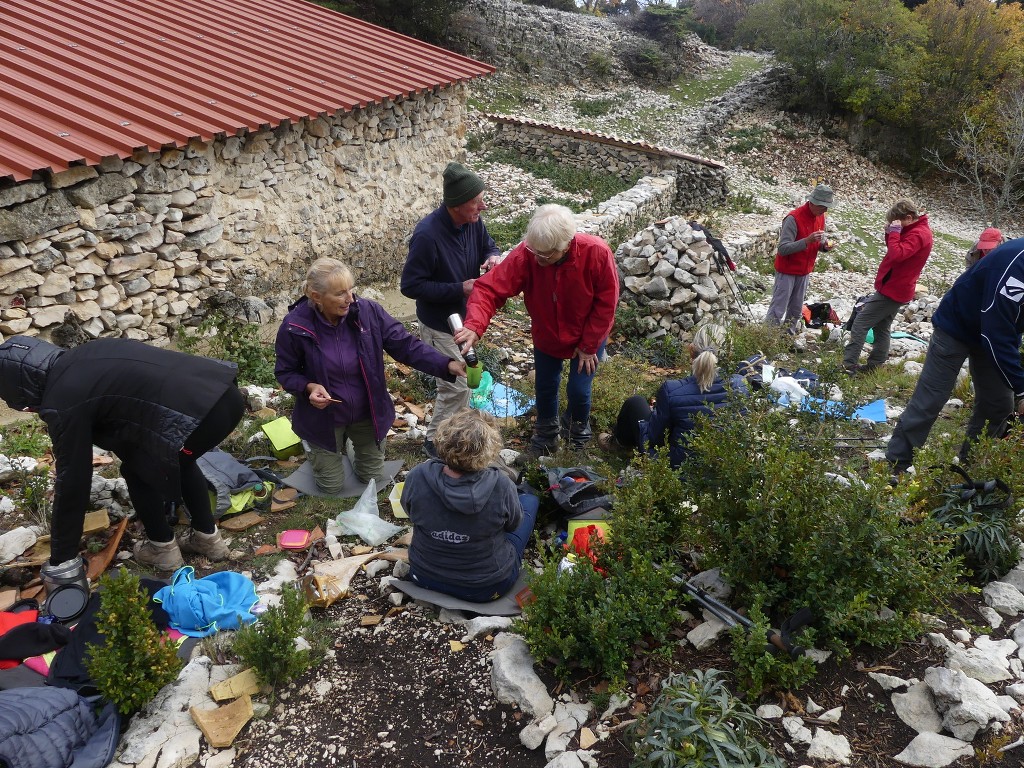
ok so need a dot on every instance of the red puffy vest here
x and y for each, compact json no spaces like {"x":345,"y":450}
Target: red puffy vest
{"x":801,"y":262}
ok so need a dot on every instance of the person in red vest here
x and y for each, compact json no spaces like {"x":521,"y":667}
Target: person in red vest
{"x":908,"y":240}
{"x":801,"y":238}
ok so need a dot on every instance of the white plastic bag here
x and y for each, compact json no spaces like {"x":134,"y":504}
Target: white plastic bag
{"x":790,"y":390}
{"x":364,"y":521}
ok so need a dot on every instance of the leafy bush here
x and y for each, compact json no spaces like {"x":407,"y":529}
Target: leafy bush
{"x":647,"y":62}
{"x":696,"y":721}
{"x":784,"y":529}
{"x":744,"y":140}
{"x":268,"y":646}
{"x":746,"y":202}
{"x":583,"y":620}
{"x":747,"y":340}
{"x":237,"y":341}
{"x":651,"y":507}
{"x":618,"y":378}
{"x":37,"y":493}
{"x":758,"y":671}
{"x":599,"y":64}
{"x":135,"y":660}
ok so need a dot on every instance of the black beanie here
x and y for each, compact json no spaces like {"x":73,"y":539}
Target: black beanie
{"x":460,"y":185}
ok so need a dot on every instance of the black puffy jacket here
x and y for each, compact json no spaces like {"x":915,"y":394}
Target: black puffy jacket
{"x":54,"y":728}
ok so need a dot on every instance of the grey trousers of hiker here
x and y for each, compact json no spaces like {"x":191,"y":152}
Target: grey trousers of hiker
{"x":452,"y":396}
{"x":876,"y":315}
{"x":787,"y":303}
{"x":993,"y":398}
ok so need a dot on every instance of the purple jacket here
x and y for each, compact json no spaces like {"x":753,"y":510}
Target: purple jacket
{"x":299,"y":362}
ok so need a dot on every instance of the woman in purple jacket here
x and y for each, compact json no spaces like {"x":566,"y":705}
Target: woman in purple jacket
{"x":330,"y":356}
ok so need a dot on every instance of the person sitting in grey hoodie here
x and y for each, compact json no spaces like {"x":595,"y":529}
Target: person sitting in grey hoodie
{"x":470,"y":524}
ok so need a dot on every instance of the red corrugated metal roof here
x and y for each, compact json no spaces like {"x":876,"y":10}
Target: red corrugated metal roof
{"x":83,"y":79}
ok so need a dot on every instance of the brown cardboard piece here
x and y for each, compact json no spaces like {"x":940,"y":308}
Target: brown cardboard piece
{"x":220,"y":726}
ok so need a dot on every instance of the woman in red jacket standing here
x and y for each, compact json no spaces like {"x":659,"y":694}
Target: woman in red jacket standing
{"x":908,"y":241}
{"x":570,"y":285}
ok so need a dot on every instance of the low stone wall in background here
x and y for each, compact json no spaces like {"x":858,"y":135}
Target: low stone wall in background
{"x":701,"y":184}
{"x":136,"y":247}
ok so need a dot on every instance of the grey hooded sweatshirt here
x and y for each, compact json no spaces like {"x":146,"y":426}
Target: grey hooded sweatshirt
{"x":460,"y":525}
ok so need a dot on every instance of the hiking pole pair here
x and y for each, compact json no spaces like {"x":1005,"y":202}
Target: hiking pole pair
{"x":725,"y":267}
{"x":777,"y":640}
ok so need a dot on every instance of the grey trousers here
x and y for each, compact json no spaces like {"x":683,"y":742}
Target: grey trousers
{"x":366,"y":455}
{"x":993,"y":398}
{"x":876,"y":315}
{"x":787,"y":300}
{"x":452,"y":396}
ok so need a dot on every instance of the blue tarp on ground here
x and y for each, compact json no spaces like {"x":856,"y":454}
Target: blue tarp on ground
{"x":873,"y":411}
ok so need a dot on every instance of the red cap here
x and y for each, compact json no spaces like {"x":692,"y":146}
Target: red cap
{"x":989,"y":239}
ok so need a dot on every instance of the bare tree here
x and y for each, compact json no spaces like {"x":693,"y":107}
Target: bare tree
{"x":987,"y":161}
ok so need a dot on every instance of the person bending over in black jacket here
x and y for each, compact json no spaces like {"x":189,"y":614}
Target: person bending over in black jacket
{"x":157,"y":410}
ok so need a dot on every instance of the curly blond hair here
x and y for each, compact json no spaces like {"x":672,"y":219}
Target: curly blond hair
{"x":468,"y":441}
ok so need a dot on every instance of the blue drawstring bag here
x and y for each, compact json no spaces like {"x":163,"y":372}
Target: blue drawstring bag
{"x":202,"y":607}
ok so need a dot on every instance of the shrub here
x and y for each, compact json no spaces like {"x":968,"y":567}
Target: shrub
{"x":647,"y":62}
{"x":593,"y":107}
{"x":696,"y":721}
{"x":37,"y":493}
{"x":25,"y":438}
{"x":783,"y":528}
{"x":135,"y":660}
{"x":758,"y":670}
{"x":583,"y":620}
{"x":237,"y":341}
{"x":618,"y":378}
{"x":599,"y":64}
{"x":268,"y":646}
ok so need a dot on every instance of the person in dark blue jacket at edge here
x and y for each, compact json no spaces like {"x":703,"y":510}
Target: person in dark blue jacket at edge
{"x":470,"y":523}
{"x":978,"y":320}
{"x":330,"y":356}
{"x":678,"y":401}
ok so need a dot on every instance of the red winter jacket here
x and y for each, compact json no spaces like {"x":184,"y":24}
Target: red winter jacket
{"x":801,"y":262}
{"x":571,"y":304}
{"x":905,"y":257}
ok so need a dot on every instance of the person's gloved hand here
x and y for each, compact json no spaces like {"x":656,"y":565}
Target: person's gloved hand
{"x":69,"y":572}
{"x":893,"y":226}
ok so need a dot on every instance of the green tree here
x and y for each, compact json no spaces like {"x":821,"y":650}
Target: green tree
{"x":424,"y":19}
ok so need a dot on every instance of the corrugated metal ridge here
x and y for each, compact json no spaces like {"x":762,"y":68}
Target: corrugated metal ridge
{"x":83,"y":80}
{"x":604,"y":138}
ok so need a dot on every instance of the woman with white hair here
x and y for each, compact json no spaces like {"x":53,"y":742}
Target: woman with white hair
{"x":570,"y":285}
{"x":679,"y":401}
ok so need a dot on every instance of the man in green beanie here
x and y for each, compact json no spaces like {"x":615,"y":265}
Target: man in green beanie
{"x":447,"y":252}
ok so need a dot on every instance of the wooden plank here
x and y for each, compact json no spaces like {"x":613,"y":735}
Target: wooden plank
{"x":99,"y":562}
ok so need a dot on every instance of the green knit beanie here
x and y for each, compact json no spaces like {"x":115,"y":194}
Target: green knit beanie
{"x":460,"y":185}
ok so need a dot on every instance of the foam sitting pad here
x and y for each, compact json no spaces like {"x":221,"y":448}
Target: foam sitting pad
{"x":504,"y":606}
{"x":873,"y":411}
{"x":302,"y":480}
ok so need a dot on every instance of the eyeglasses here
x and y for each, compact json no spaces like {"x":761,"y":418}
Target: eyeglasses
{"x":549,"y":256}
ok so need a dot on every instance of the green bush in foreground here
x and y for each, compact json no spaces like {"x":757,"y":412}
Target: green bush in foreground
{"x":268,"y":646}
{"x":583,"y":620}
{"x":135,"y":661}
{"x":697,"y":722}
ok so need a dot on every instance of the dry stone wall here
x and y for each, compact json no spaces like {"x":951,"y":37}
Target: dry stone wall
{"x":700,"y":184}
{"x":135,"y":247}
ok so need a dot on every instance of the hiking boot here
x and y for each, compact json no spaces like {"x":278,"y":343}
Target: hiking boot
{"x":853,"y":370}
{"x":163,"y":556}
{"x":576,"y":433}
{"x":545,"y":438}
{"x":209,"y":545}
{"x":428,"y":449}
{"x":606,"y":442}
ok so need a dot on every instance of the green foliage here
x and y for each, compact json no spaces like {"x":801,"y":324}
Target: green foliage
{"x":508,"y":234}
{"x":429,"y":21}
{"x":583,"y":620}
{"x":268,"y":646}
{"x":696,"y":722}
{"x":135,"y":660}
{"x":759,"y":670}
{"x":747,"y":340}
{"x":773,"y":515}
{"x":651,"y":508}
{"x":648,"y":61}
{"x":237,"y":341}
{"x":986,"y":530}
{"x":25,"y":438}
{"x":746,"y":202}
{"x":599,"y":65}
{"x":558,"y":5}
{"x":632,"y":326}
{"x":594,"y":107}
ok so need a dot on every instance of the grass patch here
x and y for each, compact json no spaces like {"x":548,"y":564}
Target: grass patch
{"x":25,"y":438}
{"x":594,"y":107}
{"x":598,"y":187}
{"x":693,"y":91}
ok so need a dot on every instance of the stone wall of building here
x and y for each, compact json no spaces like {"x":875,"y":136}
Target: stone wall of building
{"x":701,"y":184}
{"x":135,"y":247}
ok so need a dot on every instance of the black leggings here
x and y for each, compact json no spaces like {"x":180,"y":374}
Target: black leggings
{"x":150,"y":502}
{"x":627,"y":426}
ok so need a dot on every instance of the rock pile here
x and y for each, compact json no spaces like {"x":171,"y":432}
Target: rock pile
{"x":670,"y":270}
